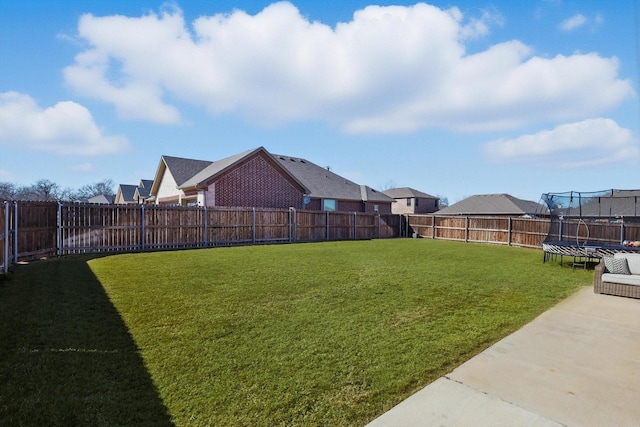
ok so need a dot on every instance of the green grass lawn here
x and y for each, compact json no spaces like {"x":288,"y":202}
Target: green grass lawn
{"x":307,"y":334}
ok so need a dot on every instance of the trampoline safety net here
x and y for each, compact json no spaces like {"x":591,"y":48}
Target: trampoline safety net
{"x":609,"y":218}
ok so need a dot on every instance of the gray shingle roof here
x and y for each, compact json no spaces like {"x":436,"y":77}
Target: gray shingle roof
{"x":128,"y":191}
{"x":145,"y":187}
{"x":183,"y":169}
{"x":407,"y":193}
{"x":102,"y":199}
{"x":322,"y":183}
{"x":491,"y":204}
{"x":214,"y":168}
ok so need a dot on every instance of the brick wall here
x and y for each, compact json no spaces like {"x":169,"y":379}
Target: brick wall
{"x":255,"y":183}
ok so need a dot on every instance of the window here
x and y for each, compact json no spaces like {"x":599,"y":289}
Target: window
{"x":417,"y":200}
{"x":408,"y":201}
{"x":328,"y":205}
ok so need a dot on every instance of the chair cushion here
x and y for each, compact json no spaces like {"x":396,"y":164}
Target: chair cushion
{"x":624,"y":279}
{"x":633,"y":261}
{"x":616,"y":265}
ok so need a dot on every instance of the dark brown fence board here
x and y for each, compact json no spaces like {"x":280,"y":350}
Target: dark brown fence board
{"x":37,"y":229}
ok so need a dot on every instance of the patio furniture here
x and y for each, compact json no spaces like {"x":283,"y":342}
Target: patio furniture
{"x":618,"y":275}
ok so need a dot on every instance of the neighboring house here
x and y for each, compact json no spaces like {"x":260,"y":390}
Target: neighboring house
{"x":492,"y":205}
{"x":328,"y":191}
{"x":410,"y":201}
{"x":103,"y":199}
{"x":125,"y":193}
{"x":128,"y":194}
{"x":143,"y":192}
{"x":257,"y":178}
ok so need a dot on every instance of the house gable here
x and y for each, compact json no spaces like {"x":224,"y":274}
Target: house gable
{"x":255,"y":181}
{"x":171,"y":172}
{"x":125,"y":194}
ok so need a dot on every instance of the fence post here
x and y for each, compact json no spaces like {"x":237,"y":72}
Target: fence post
{"x":622,"y":232}
{"x":466,"y":229}
{"x":406,"y":225}
{"x":378,"y":216}
{"x":5,"y":261}
{"x":253,"y":226}
{"x":294,"y":233}
{"x":355,"y":227}
{"x":142,"y":230}
{"x":433,"y":227}
{"x":15,"y":231}
{"x":509,"y":232}
{"x":327,"y":224}
{"x":205,"y":220}
{"x":59,"y":237}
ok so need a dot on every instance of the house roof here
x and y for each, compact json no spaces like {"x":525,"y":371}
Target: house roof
{"x":407,"y":193}
{"x":183,"y":169}
{"x":128,"y":192}
{"x":180,"y":168}
{"x":314,"y":180}
{"x":322,"y":183}
{"x":144,"y":189}
{"x":102,"y":199}
{"x":491,"y":204}
{"x":218,"y":167}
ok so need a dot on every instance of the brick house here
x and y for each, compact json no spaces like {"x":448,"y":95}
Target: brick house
{"x":257,"y":178}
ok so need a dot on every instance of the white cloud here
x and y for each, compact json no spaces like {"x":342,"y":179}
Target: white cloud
{"x":390,"y":69}
{"x":592,"y":142}
{"x":579,"y":21}
{"x":576,"y":21}
{"x":67,"y":128}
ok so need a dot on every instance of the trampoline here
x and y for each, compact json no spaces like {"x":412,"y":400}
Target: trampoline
{"x":589,"y":225}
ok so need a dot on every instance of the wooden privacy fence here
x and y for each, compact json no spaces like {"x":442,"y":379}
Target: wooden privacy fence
{"x":30,"y":230}
{"x":594,"y":231}
{"x":510,"y":231}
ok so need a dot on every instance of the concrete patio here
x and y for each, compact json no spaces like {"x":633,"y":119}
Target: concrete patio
{"x":577,"y":364}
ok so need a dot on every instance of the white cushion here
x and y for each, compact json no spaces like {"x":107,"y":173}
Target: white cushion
{"x":633,"y":260}
{"x":625,"y":279}
{"x":618,"y":265}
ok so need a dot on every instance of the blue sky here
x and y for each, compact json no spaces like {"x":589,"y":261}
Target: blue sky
{"x":453,"y":98}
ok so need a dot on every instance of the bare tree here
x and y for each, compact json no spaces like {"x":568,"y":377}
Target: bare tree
{"x":105,"y":187}
{"x":7,"y":190}
{"x":46,"y":190}
{"x":443,"y":201}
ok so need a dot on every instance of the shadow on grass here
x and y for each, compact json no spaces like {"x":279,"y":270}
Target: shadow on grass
{"x":66,"y":356}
